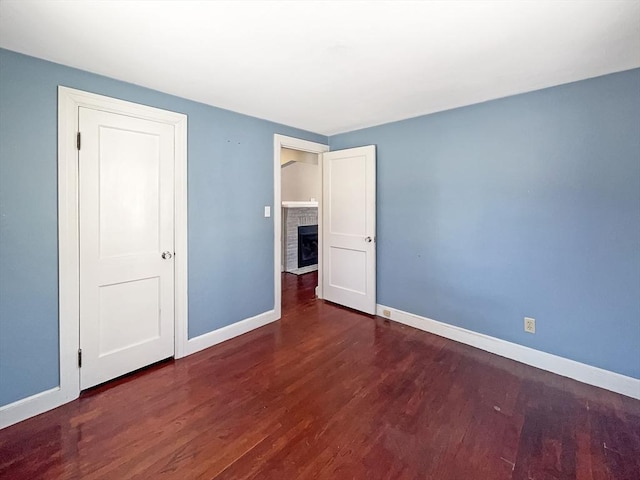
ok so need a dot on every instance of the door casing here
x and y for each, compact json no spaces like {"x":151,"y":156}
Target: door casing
{"x":69,"y":101}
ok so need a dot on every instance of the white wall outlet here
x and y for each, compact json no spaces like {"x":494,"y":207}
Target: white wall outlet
{"x":529,"y":325}
{"x":386,"y":313}
{"x":267,"y":211}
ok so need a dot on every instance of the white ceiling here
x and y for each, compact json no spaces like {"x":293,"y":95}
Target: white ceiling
{"x":327,"y":66}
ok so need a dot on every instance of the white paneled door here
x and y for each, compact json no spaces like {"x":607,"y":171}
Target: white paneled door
{"x":349,"y":227}
{"x":126,"y":204}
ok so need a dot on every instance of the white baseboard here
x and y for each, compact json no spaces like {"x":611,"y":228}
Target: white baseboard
{"x":230,"y":331}
{"x":31,"y":406}
{"x":545,"y":361}
{"x":41,"y":402}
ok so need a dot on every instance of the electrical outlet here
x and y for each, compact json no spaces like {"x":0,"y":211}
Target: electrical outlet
{"x":529,"y":325}
{"x":386,"y":313}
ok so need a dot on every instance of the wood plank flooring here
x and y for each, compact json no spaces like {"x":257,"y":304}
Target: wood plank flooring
{"x":328,"y":393}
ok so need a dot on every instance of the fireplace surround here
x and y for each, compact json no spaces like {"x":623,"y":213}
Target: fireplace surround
{"x":293,"y":217}
{"x":307,"y":245}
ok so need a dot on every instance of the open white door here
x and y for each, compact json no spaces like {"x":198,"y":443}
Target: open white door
{"x":349,"y":227}
{"x":126,"y":244}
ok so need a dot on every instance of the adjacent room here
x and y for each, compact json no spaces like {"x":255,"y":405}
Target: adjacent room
{"x":320,"y":239}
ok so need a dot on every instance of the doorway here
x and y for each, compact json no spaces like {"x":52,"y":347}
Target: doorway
{"x":300,"y":190}
{"x":297,"y":203}
{"x":72,"y":105}
{"x":346,"y":272}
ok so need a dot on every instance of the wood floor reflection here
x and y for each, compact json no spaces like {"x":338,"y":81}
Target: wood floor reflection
{"x":328,"y":393}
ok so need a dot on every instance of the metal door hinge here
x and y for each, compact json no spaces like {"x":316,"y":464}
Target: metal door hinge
{"x":79,"y":358}
{"x":78,"y":141}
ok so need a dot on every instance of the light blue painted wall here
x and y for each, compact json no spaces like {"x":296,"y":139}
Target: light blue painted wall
{"x":528,"y":205}
{"x":524,"y":206}
{"x":230,"y":181}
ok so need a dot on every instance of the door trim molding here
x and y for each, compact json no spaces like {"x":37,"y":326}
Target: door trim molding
{"x":69,"y":100}
{"x":280,"y":141}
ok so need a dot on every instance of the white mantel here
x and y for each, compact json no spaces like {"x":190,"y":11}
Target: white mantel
{"x":299,"y":204}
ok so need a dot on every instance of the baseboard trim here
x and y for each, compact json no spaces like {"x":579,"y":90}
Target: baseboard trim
{"x":230,"y":331}
{"x":31,"y":406}
{"x":545,"y":361}
{"x":49,"y":399}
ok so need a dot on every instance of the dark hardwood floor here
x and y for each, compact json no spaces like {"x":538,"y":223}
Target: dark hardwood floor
{"x":328,"y":393}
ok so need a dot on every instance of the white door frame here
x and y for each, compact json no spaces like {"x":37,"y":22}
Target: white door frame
{"x":282,"y":141}
{"x":69,"y":101}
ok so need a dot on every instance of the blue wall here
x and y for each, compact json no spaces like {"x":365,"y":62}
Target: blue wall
{"x":523,"y":206}
{"x":230,"y":180}
{"x":528,"y":205}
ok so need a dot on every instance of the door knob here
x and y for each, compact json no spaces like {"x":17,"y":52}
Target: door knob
{"x":166,"y":255}
{"x":368,"y":239}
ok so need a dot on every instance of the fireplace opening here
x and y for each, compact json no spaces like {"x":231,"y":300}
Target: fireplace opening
{"x":307,"y":245}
